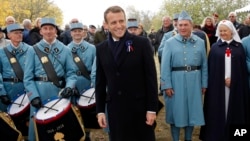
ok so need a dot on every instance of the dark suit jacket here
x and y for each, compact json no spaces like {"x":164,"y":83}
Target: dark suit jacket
{"x":131,"y":87}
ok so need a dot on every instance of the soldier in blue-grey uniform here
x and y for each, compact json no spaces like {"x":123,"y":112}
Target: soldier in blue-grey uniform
{"x":12,"y":63}
{"x":10,"y":84}
{"x":84,"y":53}
{"x":39,"y":87}
{"x":168,"y":35}
{"x":184,"y":78}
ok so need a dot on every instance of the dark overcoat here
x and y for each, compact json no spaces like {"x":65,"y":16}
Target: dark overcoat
{"x":131,"y":87}
{"x":217,"y":124}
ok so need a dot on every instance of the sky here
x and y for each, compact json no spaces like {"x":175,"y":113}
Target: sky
{"x":91,"y":11}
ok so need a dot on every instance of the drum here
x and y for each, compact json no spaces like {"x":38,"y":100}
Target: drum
{"x":87,"y":99}
{"x":19,"y":111}
{"x":8,"y":130}
{"x":58,"y":120}
{"x":87,"y":107}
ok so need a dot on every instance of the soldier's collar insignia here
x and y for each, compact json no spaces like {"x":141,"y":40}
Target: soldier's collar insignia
{"x":56,"y":50}
{"x":82,"y":47}
{"x":74,"y":49}
{"x":46,"y":49}
{"x":14,"y":52}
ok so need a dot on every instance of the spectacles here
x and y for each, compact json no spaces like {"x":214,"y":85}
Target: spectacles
{"x":231,"y":16}
{"x":85,"y":29}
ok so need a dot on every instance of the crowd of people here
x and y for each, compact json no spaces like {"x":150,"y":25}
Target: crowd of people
{"x":204,"y":77}
{"x":204,"y":74}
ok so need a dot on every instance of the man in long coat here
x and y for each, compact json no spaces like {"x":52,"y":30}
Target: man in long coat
{"x":126,"y":80}
{"x":184,"y":78}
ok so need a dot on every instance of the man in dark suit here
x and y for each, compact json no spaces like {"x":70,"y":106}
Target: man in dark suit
{"x":126,"y":81}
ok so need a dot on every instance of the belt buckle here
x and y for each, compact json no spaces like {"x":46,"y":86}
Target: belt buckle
{"x":189,"y":68}
{"x":15,"y":79}
{"x":78,"y":73}
{"x":45,"y":78}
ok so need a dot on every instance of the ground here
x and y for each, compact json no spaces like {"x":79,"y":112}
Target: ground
{"x":162,"y":130}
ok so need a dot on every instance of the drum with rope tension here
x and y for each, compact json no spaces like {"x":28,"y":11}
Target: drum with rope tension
{"x":58,"y":120}
{"x":87,"y":107}
{"x":19,"y":111}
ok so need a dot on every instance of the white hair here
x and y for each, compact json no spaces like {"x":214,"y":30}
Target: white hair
{"x":232,"y":13}
{"x":26,"y":22}
{"x":10,"y":17}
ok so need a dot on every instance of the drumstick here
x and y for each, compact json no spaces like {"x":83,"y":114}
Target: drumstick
{"x":22,"y":99}
{"x":53,"y":104}
{"x":91,"y":96}
{"x":50,"y":108}
{"x":87,"y":96}
{"x":17,"y":104}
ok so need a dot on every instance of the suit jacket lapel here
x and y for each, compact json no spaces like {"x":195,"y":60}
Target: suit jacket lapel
{"x":124,"y":52}
{"x":122,"y":55}
{"x":108,"y":54}
{"x":121,"y":51}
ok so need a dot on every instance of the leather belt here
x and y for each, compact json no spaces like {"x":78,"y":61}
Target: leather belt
{"x":186,"y":68}
{"x":78,"y":73}
{"x":15,"y":80}
{"x":46,"y":79}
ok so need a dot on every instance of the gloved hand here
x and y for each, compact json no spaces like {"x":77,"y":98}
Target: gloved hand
{"x":76,"y":92}
{"x":36,"y":102}
{"x":67,"y":92}
{"x":5,"y":99}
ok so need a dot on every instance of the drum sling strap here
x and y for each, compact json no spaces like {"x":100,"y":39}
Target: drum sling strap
{"x":48,"y":67}
{"x":80,"y":64}
{"x":15,"y":64}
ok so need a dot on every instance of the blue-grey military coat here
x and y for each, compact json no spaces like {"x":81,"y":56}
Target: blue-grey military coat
{"x":61,"y":59}
{"x":86,"y":53}
{"x":12,"y":89}
{"x":185,"y":107}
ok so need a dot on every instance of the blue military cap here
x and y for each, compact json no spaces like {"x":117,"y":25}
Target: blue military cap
{"x":13,"y":27}
{"x":48,"y":21}
{"x":176,"y":16}
{"x":76,"y":26}
{"x":184,"y":16}
{"x":132,"y":23}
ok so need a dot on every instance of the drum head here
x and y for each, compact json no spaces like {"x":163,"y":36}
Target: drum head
{"x":20,"y":105}
{"x":53,"y":110}
{"x":87,"y":99}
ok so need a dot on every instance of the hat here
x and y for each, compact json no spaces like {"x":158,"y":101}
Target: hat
{"x":176,"y":15}
{"x":13,"y":27}
{"x":48,"y":21}
{"x":230,"y":25}
{"x":132,"y":23}
{"x":184,"y":16}
{"x":92,"y":26}
{"x":76,"y":26}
